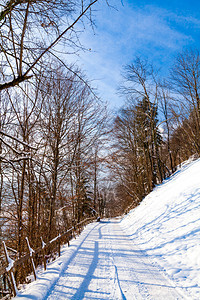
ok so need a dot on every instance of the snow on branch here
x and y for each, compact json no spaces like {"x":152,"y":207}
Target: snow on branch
{"x":17,"y":140}
{"x":31,"y":251}
{"x":43,"y":243}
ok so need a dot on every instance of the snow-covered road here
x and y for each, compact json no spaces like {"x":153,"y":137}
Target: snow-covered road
{"x":103,"y":263}
{"x":151,"y":253}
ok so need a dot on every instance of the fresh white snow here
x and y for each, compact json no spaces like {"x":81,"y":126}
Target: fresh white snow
{"x":151,"y":253}
{"x":166,"y":226}
{"x":10,"y":261}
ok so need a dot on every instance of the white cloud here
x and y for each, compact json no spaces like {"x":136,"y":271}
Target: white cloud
{"x":123,"y":34}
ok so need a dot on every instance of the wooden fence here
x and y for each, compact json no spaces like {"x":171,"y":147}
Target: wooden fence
{"x":8,"y":287}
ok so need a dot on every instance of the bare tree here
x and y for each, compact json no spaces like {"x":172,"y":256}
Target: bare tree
{"x":90,"y":128}
{"x":185,"y":81}
{"x":141,"y":87}
{"x":31,"y":29}
{"x":58,"y":113}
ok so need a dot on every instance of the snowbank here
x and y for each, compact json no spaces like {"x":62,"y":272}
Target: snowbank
{"x":166,"y":226}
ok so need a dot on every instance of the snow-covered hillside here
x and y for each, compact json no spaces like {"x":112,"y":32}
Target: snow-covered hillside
{"x":166,"y":226}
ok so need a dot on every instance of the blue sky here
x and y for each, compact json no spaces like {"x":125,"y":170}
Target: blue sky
{"x":155,"y":29}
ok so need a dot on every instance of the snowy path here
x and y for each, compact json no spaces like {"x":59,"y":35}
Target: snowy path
{"x":103,"y":263}
{"x":159,"y":237}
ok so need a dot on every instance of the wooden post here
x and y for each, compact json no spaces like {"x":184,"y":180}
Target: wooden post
{"x":31,"y":257}
{"x":10,"y":262}
{"x":74,"y":232}
{"x":4,"y":282}
{"x":44,"y":254}
{"x":59,"y":245}
{"x":68,"y":237}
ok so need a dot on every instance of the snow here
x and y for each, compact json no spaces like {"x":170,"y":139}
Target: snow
{"x":43,"y":243}
{"x":31,"y":251}
{"x":10,"y":261}
{"x":10,"y":264}
{"x":166,"y":226}
{"x":151,"y":253}
{"x":102,"y":263}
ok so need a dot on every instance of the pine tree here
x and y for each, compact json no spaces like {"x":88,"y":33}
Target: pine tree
{"x":148,"y":140}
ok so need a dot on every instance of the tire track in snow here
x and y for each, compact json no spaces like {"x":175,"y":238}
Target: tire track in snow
{"x":103,"y":263}
{"x":117,"y":286}
{"x":143,"y":292}
{"x":147,"y":280}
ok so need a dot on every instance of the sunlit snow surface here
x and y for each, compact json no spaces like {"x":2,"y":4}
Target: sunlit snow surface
{"x":166,"y":226}
{"x":152,"y":253}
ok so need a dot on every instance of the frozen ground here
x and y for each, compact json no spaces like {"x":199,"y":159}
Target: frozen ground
{"x":152,"y":253}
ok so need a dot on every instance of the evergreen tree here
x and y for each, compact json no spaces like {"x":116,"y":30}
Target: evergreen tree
{"x":148,"y":140}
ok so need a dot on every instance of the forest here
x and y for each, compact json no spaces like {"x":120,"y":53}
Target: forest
{"x":62,"y":156}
